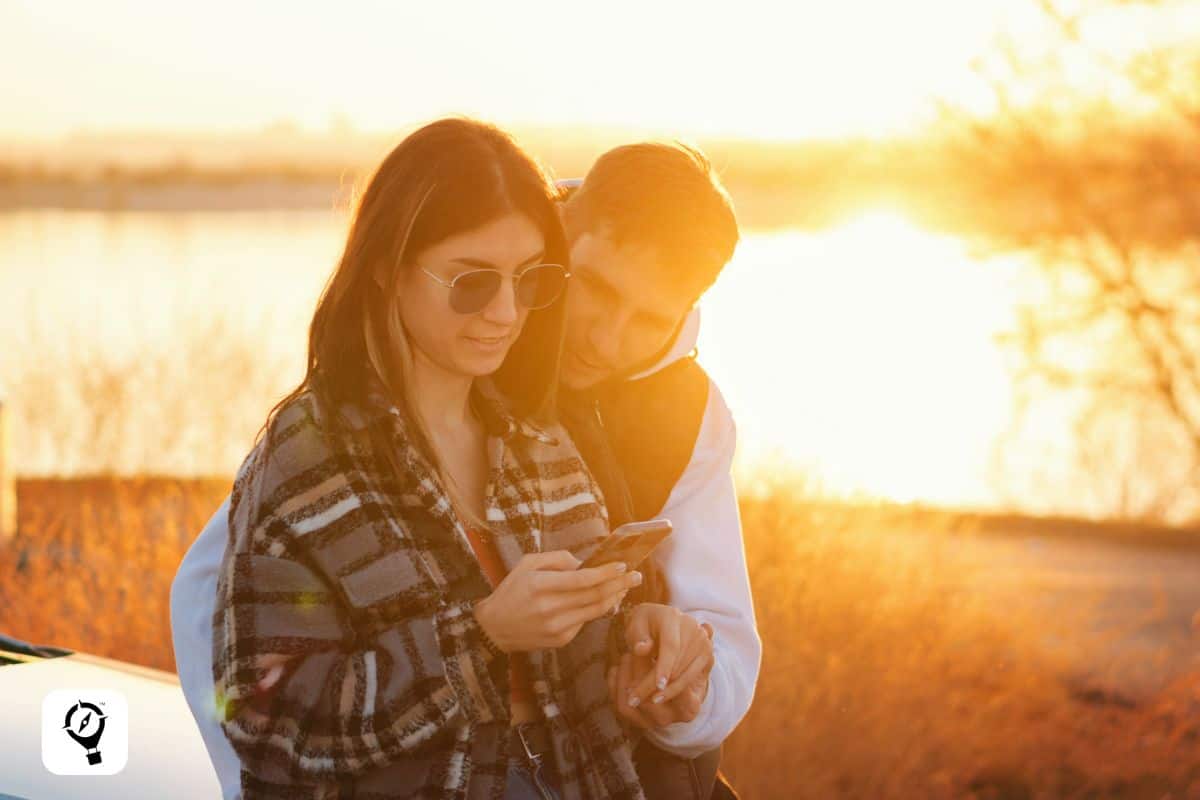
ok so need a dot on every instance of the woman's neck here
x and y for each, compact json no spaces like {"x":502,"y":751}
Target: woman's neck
{"x":442,"y":399}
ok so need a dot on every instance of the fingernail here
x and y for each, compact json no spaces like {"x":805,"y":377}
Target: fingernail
{"x":636,"y":578}
{"x":621,"y":567}
{"x":633,"y":702}
{"x":644,"y":643}
{"x":662,"y":683}
{"x":658,"y":698}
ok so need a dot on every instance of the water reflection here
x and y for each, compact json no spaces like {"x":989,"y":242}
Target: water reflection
{"x":155,"y":342}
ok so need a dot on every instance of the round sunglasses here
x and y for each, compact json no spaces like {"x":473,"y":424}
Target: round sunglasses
{"x":534,"y":288}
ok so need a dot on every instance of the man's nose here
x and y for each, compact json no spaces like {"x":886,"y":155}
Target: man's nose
{"x":605,"y":339}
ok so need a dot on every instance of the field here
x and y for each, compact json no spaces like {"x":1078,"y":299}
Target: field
{"x":881,"y":677}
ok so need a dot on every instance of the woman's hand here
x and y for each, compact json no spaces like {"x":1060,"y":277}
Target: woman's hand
{"x":271,"y":666}
{"x":683,"y":657}
{"x":546,"y":599}
{"x":682,"y":708}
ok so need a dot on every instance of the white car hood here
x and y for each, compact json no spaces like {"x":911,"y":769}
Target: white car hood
{"x":167,"y":758}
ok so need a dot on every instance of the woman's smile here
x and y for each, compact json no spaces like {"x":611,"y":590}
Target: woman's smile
{"x":490,"y":343}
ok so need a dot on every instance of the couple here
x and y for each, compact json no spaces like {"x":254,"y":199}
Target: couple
{"x":390,"y":603}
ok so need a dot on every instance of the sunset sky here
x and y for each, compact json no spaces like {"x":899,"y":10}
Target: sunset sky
{"x":752,"y":68}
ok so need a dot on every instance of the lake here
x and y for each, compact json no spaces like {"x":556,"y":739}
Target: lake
{"x":863,"y":357}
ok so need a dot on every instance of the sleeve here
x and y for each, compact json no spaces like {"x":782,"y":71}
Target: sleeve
{"x":351,"y":696}
{"x":704,"y":561}
{"x":193,"y":595}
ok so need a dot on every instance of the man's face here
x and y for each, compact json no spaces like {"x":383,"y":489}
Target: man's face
{"x":621,"y":309}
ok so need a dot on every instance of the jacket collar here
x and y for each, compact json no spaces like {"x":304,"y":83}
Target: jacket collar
{"x":681,"y":347}
{"x":488,"y":401}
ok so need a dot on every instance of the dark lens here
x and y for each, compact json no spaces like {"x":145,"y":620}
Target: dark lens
{"x":540,"y":286}
{"x":474,"y":290}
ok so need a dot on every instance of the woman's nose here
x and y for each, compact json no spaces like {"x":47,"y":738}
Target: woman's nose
{"x":502,"y":310}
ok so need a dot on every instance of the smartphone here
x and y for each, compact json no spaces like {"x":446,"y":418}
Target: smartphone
{"x":630,"y":543}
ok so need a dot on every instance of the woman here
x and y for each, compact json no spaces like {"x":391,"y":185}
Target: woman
{"x":399,"y":611}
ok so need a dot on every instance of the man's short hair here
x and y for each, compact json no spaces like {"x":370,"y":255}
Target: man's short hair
{"x":663,"y":195}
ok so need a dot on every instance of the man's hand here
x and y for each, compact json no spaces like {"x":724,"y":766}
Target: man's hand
{"x":628,"y":673}
{"x":681,"y":647}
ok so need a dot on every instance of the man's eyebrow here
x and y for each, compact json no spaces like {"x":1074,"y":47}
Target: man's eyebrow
{"x":481,"y":264}
{"x":595,"y":275}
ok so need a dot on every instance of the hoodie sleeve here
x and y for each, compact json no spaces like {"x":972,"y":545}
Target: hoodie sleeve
{"x":705,"y":565}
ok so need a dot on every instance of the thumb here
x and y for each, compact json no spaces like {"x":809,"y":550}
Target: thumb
{"x":708,"y":629}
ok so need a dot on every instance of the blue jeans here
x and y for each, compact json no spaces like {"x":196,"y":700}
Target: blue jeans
{"x":526,"y":782}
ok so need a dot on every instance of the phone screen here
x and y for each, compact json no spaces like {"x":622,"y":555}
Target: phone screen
{"x":630,"y":543}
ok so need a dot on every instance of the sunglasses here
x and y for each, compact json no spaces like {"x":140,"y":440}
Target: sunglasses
{"x":534,"y":288}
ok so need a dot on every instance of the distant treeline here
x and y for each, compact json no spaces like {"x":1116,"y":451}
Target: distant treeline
{"x":991,"y":183}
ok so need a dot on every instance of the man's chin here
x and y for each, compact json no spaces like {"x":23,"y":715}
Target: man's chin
{"x":576,"y":383}
{"x":578,"y":377}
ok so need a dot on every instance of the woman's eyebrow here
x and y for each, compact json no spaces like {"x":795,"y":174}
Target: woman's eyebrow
{"x":480,"y":263}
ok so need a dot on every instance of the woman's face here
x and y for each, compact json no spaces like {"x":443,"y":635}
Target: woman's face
{"x":472,"y":344}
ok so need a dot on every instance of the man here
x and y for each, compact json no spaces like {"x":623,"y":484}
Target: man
{"x":650,"y":229}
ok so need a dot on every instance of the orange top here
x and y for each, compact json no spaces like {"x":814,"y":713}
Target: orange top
{"x":521,"y":690}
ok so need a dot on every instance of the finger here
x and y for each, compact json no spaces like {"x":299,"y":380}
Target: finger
{"x":693,"y":646}
{"x":609,"y":592}
{"x":708,"y":629}
{"x":660,"y":716}
{"x":683,"y":708}
{"x":579,"y":615}
{"x":557,"y":560}
{"x":668,"y":650}
{"x":643,"y":688}
{"x":637,"y":633}
{"x":624,"y":680}
{"x":273,"y":675}
{"x":271,"y":665}
{"x":690,"y":670}
{"x":686,"y":705}
{"x":574,"y":580}
{"x":697,"y":669}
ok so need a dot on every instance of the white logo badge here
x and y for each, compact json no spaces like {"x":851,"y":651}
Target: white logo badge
{"x":85,"y":732}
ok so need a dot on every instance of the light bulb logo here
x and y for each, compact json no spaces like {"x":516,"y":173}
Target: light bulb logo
{"x":85,"y":724}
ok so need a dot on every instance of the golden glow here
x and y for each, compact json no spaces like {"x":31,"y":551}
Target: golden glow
{"x":770,"y":69}
{"x":878,"y":340}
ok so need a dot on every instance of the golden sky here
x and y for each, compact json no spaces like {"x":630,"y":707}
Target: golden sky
{"x":750,"y":68}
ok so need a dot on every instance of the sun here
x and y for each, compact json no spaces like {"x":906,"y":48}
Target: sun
{"x":879,"y":340}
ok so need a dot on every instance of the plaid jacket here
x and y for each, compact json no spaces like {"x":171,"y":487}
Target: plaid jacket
{"x":368,"y":580}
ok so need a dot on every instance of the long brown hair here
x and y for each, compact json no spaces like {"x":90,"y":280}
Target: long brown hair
{"x":447,"y":177}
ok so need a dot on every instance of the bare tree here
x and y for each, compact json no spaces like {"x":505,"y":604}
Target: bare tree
{"x":1102,"y":184}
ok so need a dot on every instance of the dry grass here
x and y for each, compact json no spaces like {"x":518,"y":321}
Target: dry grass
{"x":884,"y":676}
{"x":92,"y":563}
